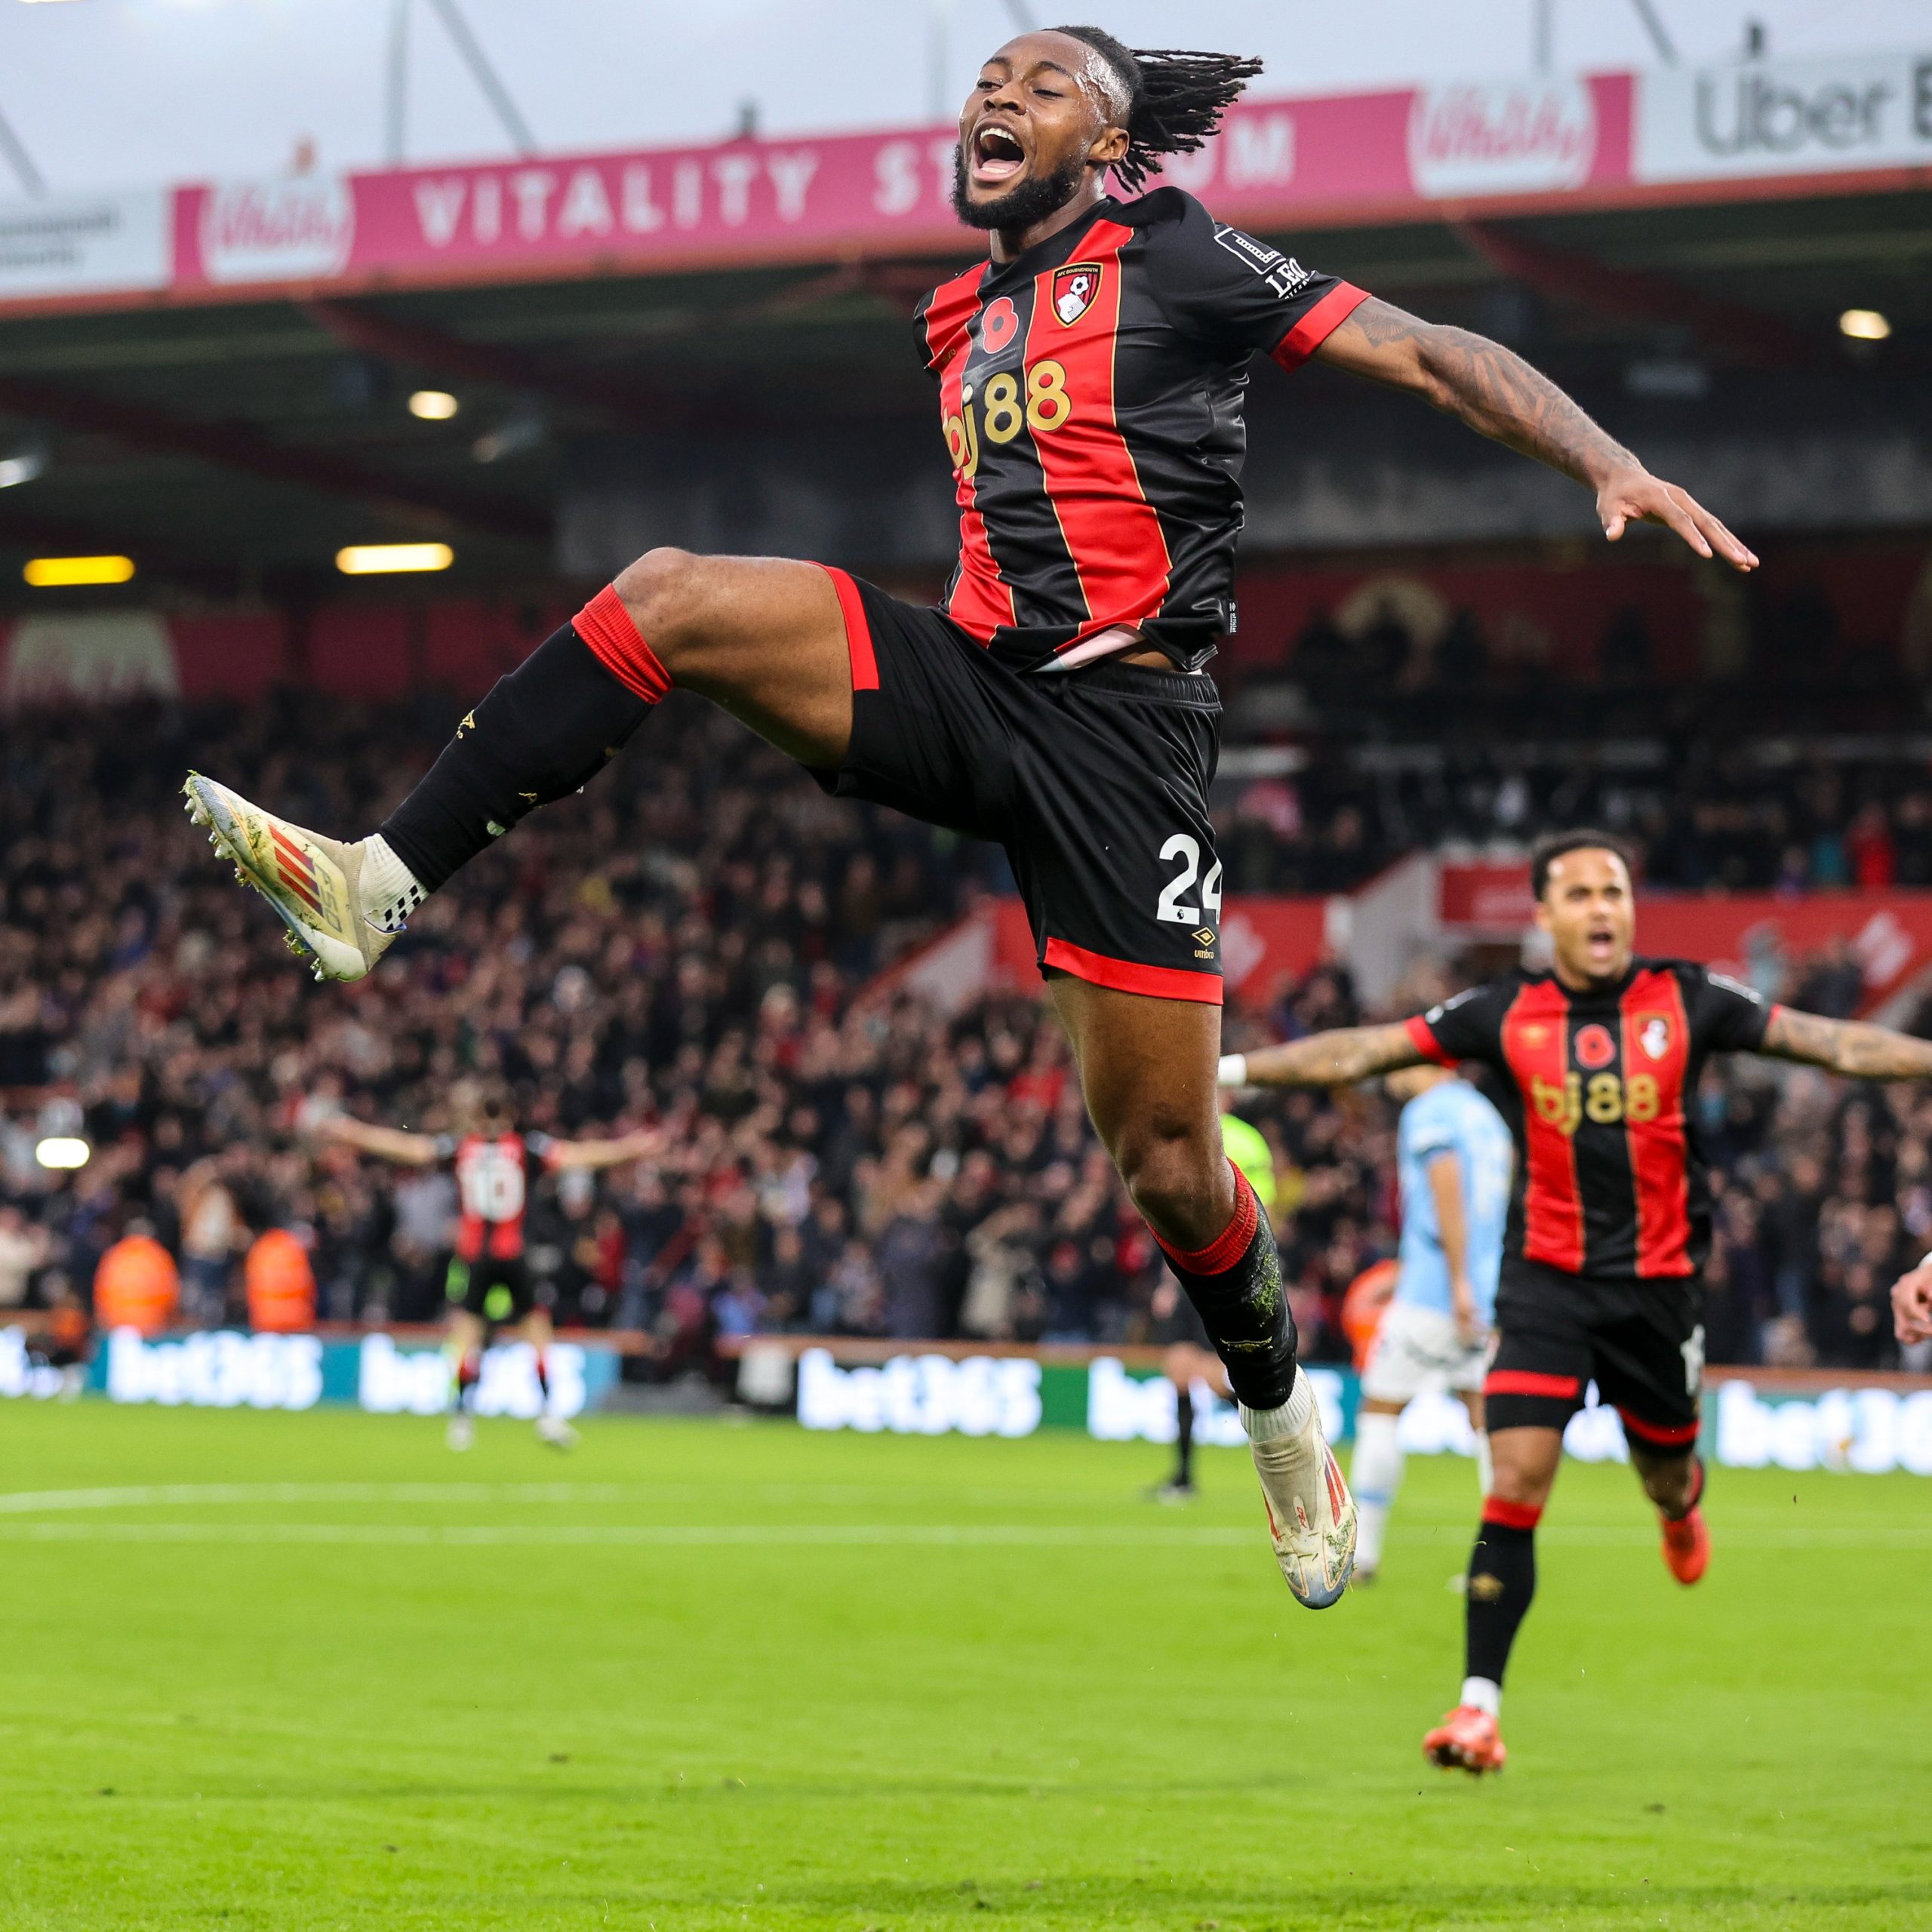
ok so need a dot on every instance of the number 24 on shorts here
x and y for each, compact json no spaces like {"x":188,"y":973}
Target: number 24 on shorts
{"x":1169,"y":906}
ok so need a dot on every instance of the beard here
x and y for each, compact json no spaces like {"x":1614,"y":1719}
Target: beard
{"x":1033,"y":200}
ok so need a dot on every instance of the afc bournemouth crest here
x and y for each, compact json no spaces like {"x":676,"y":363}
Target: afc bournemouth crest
{"x":1074,"y":287}
{"x":1653,"y":1035}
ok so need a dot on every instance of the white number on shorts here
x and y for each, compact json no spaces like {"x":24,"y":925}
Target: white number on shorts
{"x":1692,"y":1352}
{"x":1187,"y":851}
{"x":1210,"y":892}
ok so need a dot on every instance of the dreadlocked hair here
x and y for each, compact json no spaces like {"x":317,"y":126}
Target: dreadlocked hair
{"x":1174,"y":100}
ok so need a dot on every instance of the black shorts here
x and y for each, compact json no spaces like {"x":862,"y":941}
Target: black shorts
{"x":1642,"y":1343}
{"x":1094,"y":781}
{"x":494,"y":1288}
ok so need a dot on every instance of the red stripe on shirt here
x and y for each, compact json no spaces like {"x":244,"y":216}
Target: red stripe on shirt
{"x":1318,"y":324}
{"x":1536,"y":1043}
{"x":980,"y":602}
{"x":1112,"y":534}
{"x":1659,"y":1149}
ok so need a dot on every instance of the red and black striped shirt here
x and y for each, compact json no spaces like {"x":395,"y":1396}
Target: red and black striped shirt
{"x":1091,"y":392}
{"x":1612,"y":1181}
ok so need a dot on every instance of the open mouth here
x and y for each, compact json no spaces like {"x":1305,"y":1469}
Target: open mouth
{"x":997,"y":156}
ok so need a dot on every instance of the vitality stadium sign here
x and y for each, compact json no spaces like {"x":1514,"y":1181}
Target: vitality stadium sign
{"x":1309,"y":161}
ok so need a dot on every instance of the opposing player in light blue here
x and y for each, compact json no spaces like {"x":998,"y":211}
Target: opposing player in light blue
{"x":1457,"y":1163}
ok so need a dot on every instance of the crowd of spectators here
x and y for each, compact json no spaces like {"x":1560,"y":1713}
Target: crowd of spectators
{"x":1387,"y":746}
{"x":687,"y":946}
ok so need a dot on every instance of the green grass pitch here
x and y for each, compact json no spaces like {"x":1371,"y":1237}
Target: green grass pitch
{"x":294,"y":1671}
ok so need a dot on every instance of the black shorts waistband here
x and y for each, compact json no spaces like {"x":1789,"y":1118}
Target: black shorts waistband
{"x":1196,"y":688}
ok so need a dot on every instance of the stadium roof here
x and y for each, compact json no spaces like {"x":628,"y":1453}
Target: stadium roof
{"x":236,"y":421}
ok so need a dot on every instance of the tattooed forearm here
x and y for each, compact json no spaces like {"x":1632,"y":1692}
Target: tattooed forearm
{"x":1494,"y":391}
{"x":1849,"y":1046}
{"x":1332,"y":1059}
{"x":1490,"y":387}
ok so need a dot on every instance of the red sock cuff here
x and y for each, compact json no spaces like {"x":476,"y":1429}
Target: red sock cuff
{"x":616,"y":642}
{"x":1511,"y":1515}
{"x":1221,"y":1253}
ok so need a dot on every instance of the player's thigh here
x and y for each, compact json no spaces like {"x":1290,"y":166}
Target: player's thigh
{"x":1112,"y":842}
{"x":1649,"y":1364}
{"x":763,"y":638}
{"x":1147,"y":1067}
{"x":1543,"y":1358}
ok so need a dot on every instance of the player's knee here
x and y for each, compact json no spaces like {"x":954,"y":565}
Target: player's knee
{"x":662,"y":592}
{"x":1181,"y":1186}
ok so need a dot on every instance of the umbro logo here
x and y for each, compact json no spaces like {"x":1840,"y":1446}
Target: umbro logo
{"x":1204,"y":937}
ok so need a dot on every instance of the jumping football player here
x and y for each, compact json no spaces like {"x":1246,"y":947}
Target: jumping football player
{"x":1454,"y":1160}
{"x":1611,"y":1223}
{"x":488,"y":1288}
{"x":1090,"y":378}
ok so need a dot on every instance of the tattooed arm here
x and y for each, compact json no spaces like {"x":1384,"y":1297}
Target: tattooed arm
{"x":1496,"y":393}
{"x":1332,"y":1059}
{"x":1849,"y":1046}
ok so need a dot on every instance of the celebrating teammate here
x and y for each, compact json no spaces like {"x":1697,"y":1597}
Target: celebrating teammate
{"x":1611,"y":1224}
{"x":488,"y":1286}
{"x":1089,"y":378}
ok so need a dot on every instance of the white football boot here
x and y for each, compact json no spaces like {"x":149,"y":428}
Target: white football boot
{"x":1311,"y":1512}
{"x":312,"y":882}
{"x":556,"y":1431}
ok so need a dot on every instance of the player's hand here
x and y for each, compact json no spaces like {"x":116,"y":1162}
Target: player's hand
{"x":1912,"y":1305}
{"x":1634,"y":496}
{"x":1469,"y":1328}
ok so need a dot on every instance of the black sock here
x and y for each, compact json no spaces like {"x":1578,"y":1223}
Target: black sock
{"x":1235,"y":1283}
{"x":1502,"y":1580}
{"x":1183,"y":1437}
{"x":542,"y":733}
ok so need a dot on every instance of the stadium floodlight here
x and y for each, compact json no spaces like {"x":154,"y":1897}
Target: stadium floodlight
{"x":1865,"y":325}
{"x":433,"y":405}
{"x":50,"y":573}
{"x":381,"y":559}
{"x":64,"y":1152}
{"x":23,"y":466}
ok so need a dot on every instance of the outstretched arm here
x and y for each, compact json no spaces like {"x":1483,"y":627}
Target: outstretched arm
{"x":1850,"y":1046}
{"x":1445,"y":1184}
{"x":1332,"y":1059}
{"x":592,"y":1154}
{"x":412,"y":1150}
{"x":1496,"y":393}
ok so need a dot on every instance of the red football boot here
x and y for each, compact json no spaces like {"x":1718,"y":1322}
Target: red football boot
{"x":1466,"y":1739}
{"x":1686,"y":1546}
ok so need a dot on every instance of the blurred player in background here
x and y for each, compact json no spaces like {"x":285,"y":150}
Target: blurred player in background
{"x":1089,"y":375}
{"x":1612,"y":1222}
{"x":1190,"y":1356}
{"x":1455,"y":1158}
{"x":488,"y":1287}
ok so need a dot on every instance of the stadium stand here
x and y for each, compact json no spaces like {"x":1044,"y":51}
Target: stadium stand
{"x":690,"y":943}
